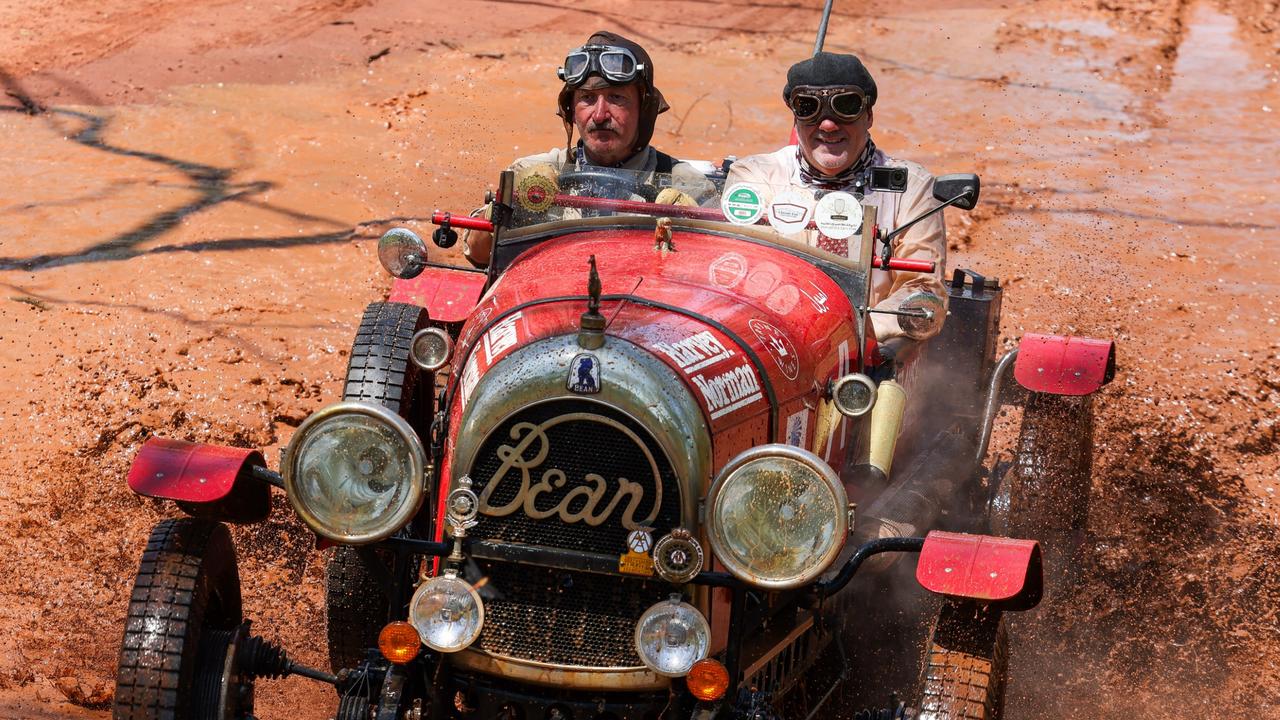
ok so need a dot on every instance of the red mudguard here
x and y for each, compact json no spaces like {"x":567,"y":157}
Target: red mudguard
{"x":206,"y":480}
{"x":1064,"y":365}
{"x":448,"y":295}
{"x":981,"y":567}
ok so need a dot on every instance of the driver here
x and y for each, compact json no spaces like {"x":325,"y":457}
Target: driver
{"x":609,"y":98}
{"x":831,"y":97}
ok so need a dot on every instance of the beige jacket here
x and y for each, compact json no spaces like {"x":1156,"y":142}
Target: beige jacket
{"x":927,"y":240}
{"x":477,"y":246}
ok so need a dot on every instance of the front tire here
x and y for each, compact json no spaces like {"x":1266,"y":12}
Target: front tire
{"x":1050,"y":481}
{"x":186,"y":599}
{"x":965,"y":664}
{"x":381,"y":373}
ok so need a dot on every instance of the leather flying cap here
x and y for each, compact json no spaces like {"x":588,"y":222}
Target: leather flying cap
{"x":830,"y":69}
{"x":652,"y":104}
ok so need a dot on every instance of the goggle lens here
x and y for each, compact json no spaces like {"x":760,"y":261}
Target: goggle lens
{"x":575,"y":66}
{"x":617,"y":65}
{"x":847,"y":104}
{"x":805,"y":106}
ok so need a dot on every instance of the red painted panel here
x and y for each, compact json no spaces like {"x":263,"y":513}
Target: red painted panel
{"x":188,"y":472}
{"x":975,"y":566}
{"x":448,"y":295}
{"x":1064,"y":365}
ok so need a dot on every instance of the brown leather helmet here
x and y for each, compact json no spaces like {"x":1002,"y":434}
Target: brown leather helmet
{"x":652,"y":103}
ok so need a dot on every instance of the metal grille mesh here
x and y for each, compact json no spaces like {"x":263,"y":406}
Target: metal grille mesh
{"x":558,"y":616}
{"x":562,"y":617}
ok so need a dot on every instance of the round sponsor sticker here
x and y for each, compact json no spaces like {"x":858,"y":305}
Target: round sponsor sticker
{"x":536,"y":193}
{"x":838,"y":215}
{"x":741,"y":204}
{"x":790,"y":211}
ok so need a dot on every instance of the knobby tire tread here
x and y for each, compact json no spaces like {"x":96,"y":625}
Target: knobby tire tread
{"x":1052,"y":471}
{"x":966,"y":664}
{"x":379,"y":372}
{"x":187,"y":581}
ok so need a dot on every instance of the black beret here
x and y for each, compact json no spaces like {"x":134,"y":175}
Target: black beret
{"x":827,"y":69}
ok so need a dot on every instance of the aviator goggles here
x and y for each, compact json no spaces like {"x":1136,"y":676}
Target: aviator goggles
{"x":844,"y":104}
{"x":615,"y":64}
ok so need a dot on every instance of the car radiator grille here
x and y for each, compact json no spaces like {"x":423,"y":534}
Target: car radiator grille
{"x":559,"y":616}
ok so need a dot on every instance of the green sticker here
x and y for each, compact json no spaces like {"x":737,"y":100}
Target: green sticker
{"x":741,"y":204}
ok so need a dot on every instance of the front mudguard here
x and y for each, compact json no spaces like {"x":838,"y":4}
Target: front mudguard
{"x":207,"y":481}
{"x":1062,"y":365}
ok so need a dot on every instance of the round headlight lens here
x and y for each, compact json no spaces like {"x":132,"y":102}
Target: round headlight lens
{"x":447,"y":613}
{"x":354,"y":472}
{"x":854,"y":394}
{"x":431,"y":348}
{"x":671,"y":636}
{"x":778,"y":516}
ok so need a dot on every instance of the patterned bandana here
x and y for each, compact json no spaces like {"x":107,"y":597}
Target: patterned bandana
{"x":854,"y":172}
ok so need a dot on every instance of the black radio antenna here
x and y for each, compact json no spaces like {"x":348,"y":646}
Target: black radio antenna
{"x":822,"y":27}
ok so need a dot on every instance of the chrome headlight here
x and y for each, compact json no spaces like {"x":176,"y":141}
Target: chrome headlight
{"x":671,"y":636}
{"x":354,"y":472}
{"x":431,"y":348}
{"x":778,"y":516}
{"x":447,"y":613}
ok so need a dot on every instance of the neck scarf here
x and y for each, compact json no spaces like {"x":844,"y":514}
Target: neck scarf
{"x":848,"y":177}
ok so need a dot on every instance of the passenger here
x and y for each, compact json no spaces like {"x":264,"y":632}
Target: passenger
{"x":831,"y":97}
{"x":609,"y":97}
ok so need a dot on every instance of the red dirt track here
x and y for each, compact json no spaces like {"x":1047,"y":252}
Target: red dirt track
{"x":191,"y":198}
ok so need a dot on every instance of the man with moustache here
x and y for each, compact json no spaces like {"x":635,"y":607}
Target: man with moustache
{"x":610,"y":99}
{"x":831,"y":97}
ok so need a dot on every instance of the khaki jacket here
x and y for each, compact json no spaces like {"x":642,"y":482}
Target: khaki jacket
{"x":927,"y":240}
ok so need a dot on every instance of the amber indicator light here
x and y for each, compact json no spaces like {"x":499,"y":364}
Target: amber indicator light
{"x":399,"y":642}
{"x":707,"y":680}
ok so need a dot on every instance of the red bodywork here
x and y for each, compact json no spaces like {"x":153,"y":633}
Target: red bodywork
{"x":1064,"y":365}
{"x":448,"y":295}
{"x":206,"y":480}
{"x":716,"y":297}
{"x":980,"y":567}
{"x":790,"y":314}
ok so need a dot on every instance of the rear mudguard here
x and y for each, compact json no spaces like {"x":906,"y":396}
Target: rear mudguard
{"x":1063,"y":365}
{"x":207,"y":481}
{"x":448,"y":295}
{"x":997,"y":570}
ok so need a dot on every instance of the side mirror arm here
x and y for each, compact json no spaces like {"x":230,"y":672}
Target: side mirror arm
{"x":968,"y":193}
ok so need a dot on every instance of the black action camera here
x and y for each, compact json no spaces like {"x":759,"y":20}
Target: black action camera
{"x":888,"y":179}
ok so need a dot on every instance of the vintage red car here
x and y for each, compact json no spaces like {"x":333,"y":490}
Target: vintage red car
{"x":630,"y":471}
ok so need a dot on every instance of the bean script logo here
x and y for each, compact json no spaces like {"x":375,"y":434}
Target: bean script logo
{"x":591,"y":499}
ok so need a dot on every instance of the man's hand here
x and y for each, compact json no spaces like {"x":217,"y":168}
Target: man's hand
{"x":672,"y":196}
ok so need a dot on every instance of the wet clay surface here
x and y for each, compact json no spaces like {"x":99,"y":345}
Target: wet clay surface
{"x":191,"y":200}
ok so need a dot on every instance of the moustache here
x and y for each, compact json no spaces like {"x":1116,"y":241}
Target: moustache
{"x":606,"y":126}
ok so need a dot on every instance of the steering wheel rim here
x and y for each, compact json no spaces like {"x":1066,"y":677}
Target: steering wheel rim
{"x":602,"y":180}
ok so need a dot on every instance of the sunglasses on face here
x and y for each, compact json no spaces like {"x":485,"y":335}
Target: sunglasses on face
{"x":811,"y":104}
{"x":615,"y":64}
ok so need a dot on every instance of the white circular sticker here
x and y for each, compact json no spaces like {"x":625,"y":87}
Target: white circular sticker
{"x":791,"y":211}
{"x":741,"y":204}
{"x":839,"y":215}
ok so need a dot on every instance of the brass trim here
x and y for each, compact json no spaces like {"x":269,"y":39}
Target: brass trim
{"x":551,"y":675}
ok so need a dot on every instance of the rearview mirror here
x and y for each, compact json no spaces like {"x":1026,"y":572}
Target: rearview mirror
{"x":402,"y":253}
{"x":946,"y":187}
